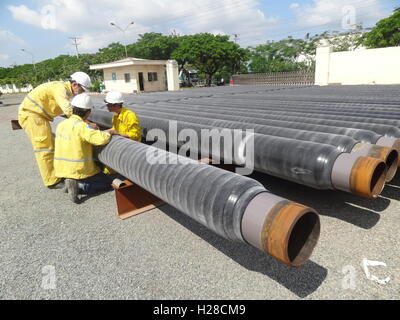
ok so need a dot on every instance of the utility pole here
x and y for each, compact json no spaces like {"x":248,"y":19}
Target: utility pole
{"x":236,"y":37}
{"x":76,"y":44}
{"x":33,"y":61}
{"x":236,"y":40}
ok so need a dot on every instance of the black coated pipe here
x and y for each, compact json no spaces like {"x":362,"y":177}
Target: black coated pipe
{"x":235,"y":207}
{"x":358,"y":131}
{"x":343,"y":143}
{"x":382,"y":129}
{"x":313,"y":164}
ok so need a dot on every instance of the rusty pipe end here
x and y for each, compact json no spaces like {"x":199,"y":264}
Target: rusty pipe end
{"x":391,"y":143}
{"x":363,"y":176}
{"x":387,"y":154}
{"x":286,"y":230}
{"x":392,"y":163}
{"x":368,"y":177}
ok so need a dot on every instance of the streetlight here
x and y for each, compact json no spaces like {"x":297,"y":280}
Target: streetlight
{"x":33,"y":60}
{"x":124,"y":32}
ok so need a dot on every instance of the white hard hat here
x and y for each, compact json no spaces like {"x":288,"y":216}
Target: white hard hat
{"x":82,"y":101}
{"x":114,"y":97}
{"x":82,"y":79}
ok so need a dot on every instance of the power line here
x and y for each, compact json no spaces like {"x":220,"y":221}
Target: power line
{"x":206,"y":10}
{"x":332,"y":23}
{"x":207,"y":14}
{"x":199,"y":16}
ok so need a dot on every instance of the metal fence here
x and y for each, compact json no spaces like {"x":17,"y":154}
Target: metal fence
{"x":278,"y":78}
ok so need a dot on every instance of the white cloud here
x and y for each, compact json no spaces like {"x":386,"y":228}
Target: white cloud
{"x":338,"y":12}
{"x":4,"y":57}
{"x":91,"y":19}
{"x":8,"y":38}
{"x":24,"y":14}
{"x":11,"y":46}
{"x":95,"y":40}
{"x":294,"y":6}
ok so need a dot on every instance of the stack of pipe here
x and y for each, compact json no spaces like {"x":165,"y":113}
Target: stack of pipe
{"x":326,"y":138}
{"x":233,"y":206}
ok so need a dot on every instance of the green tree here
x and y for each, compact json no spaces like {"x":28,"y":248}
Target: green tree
{"x":277,"y":56}
{"x":298,"y":54}
{"x":210,"y":53}
{"x":154,"y":46}
{"x":386,"y":32}
{"x":113,"y":52}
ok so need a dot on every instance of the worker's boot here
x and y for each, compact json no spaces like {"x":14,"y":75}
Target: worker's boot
{"x":72,"y":189}
{"x":59,"y":185}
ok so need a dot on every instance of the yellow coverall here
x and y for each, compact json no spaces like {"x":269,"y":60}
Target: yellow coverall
{"x":39,"y":107}
{"x":126,"y":122}
{"x":74,"y":142}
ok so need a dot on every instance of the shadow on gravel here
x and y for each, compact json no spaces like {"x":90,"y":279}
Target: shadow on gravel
{"x":352,"y":209}
{"x":391,"y":192}
{"x":85,"y":197}
{"x":8,"y":104}
{"x":396,"y":181}
{"x":302,"y":281}
{"x":392,"y":189}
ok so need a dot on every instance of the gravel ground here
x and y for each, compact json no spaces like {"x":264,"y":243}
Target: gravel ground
{"x":54,"y":249}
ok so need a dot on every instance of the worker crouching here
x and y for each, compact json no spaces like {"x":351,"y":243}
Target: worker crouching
{"x":73,"y":157}
{"x":125,"y":122}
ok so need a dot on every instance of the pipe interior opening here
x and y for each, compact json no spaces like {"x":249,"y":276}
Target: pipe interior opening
{"x":303,"y":238}
{"x":378,"y":179}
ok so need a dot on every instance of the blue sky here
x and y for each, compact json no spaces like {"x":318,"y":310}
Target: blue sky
{"x":43,"y":27}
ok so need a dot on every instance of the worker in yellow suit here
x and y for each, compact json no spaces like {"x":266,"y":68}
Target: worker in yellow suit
{"x":73,"y":159}
{"x":125,"y":122}
{"x":36,"y":111}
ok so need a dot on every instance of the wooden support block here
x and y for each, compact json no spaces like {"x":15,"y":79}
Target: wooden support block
{"x":15,"y":125}
{"x":133,"y":200}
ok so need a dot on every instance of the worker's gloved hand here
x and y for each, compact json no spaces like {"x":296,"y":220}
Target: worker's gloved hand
{"x":112,"y":132}
{"x":93,"y":125}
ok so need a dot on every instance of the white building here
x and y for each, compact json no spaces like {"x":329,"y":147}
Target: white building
{"x":368,"y":66}
{"x":134,"y":75}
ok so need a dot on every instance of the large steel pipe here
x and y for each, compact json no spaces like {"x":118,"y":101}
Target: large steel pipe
{"x":313,"y":104}
{"x":307,"y":96}
{"x":382,"y":129}
{"x":235,"y":207}
{"x":317,"y":165}
{"x":265,"y":102}
{"x":361,"y":111}
{"x":388,"y":122}
{"x":358,"y":131}
{"x":343,"y":143}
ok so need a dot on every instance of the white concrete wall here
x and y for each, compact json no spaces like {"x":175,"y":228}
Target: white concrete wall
{"x":372,"y":66}
{"x":12,"y":88}
{"x":133,"y":86}
{"x":172,"y":70}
